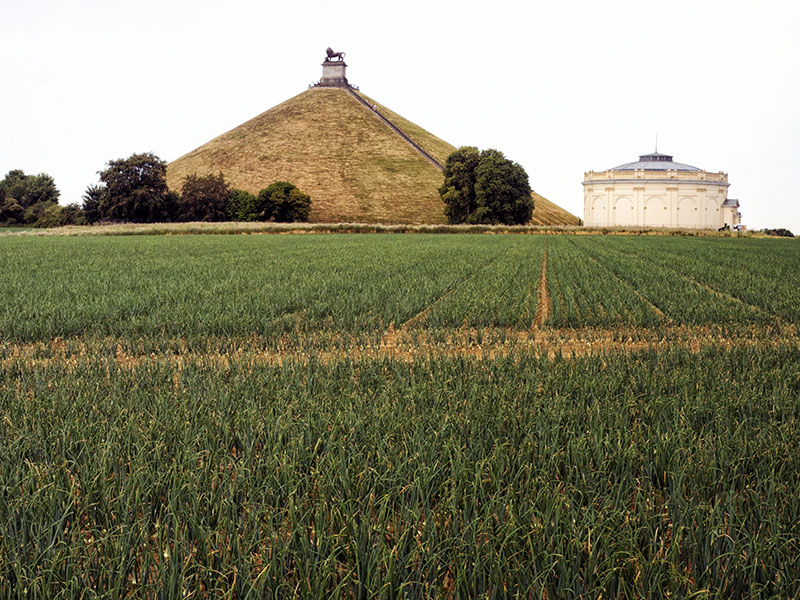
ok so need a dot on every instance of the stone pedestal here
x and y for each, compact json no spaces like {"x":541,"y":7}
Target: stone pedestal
{"x":333,"y":74}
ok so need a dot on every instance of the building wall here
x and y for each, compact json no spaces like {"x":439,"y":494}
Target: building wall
{"x":639,"y":198}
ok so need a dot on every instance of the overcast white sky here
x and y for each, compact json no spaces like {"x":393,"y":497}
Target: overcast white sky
{"x":560,"y":87}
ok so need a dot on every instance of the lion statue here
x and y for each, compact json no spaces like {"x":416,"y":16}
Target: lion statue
{"x":331,"y":54}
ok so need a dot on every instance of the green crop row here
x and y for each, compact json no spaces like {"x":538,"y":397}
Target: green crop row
{"x":659,"y":474}
{"x":218,"y":285}
{"x":681,"y":299}
{"x":502,"y":292}
{"x":198,"y":286}
{"x":761,"y":273}
{"x":584,"y":292}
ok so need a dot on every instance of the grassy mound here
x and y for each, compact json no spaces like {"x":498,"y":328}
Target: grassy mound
{"x":351,"y":164}
{"x":354,"y":167}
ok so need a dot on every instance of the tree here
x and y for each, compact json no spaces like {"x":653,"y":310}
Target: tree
{"x":136,"y":189}
{"x":502,"y":190}
{"x":294,"y":207}
{"x":204,"y":198}
{"x":458,"y":189}
{"x":25,"y":198}
{"x":93,"y":198}
{"x":485,"y":187}
{"x":72,"y":214}
{"x":11,"y":213}
{"x":14,"y":186}
{"x":282,"y":202}
{"x":241,"y":206}
{"x":28,"y":190}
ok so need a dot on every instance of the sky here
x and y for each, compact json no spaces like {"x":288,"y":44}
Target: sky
{"x":560,"y":87}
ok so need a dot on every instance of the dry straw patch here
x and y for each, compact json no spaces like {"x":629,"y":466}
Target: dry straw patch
{"x":404,"y":344}
{"x":544,"y":306}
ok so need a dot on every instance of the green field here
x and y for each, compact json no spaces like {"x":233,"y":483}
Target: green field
{"x":199,"y":286}
{"x":399,"y":416}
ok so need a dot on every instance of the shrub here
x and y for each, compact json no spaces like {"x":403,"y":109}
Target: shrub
{"x":50,"y":216}
{"x":11,"y":212}
{"x":241,"y":206}
{"x":282,"y":202}
{"x":204,"y":198}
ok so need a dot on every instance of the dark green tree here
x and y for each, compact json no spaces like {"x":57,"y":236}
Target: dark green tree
{"x":241,"y":206}
{"x":11,"y":213}
{"x":28,"y":190}
{"x":35,"y":212}
{"x":172,"y":203}
{"x":458,"y":189}
{"x":502,"y":191}
{"x":13,"y":185}
{"x":294,"y":207}
{"x":204,"y":198}
{"x":485,"y":187}
{"x":25,"y":198}
{"x":93,"y":198}
{"x":282,"y":202}
{"x":72,"y":214}
{"x":136,"y":189}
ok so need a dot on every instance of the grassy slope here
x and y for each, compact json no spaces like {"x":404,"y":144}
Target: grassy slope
{"x":544,"y":212}
{"x":434,"y":146}
{"x":548,"y":213}
{"x":352,"y":165}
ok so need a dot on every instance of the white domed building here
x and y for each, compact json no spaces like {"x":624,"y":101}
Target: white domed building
{"x":655,"y":191}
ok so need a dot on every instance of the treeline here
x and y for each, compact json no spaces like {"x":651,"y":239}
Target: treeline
{"x":134,"y":190}
{"x":33,"y":200}
{"x":780,"y":232}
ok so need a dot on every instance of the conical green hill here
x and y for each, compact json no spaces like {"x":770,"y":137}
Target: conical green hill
{"x":354,"y":166}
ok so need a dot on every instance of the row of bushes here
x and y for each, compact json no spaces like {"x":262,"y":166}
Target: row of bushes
{"x":281,"y":201}
{"x":134,"y":190}
{"x":780,"y":232}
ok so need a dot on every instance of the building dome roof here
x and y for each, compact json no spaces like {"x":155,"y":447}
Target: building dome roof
{"x":655,"y":162}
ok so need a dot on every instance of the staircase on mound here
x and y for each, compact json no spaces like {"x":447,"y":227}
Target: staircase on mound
{"x":395,"y":128}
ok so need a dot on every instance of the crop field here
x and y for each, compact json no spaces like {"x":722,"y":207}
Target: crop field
{"x":399,"y":416}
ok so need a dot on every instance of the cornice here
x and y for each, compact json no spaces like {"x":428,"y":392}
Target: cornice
{"x":702,"y":182}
